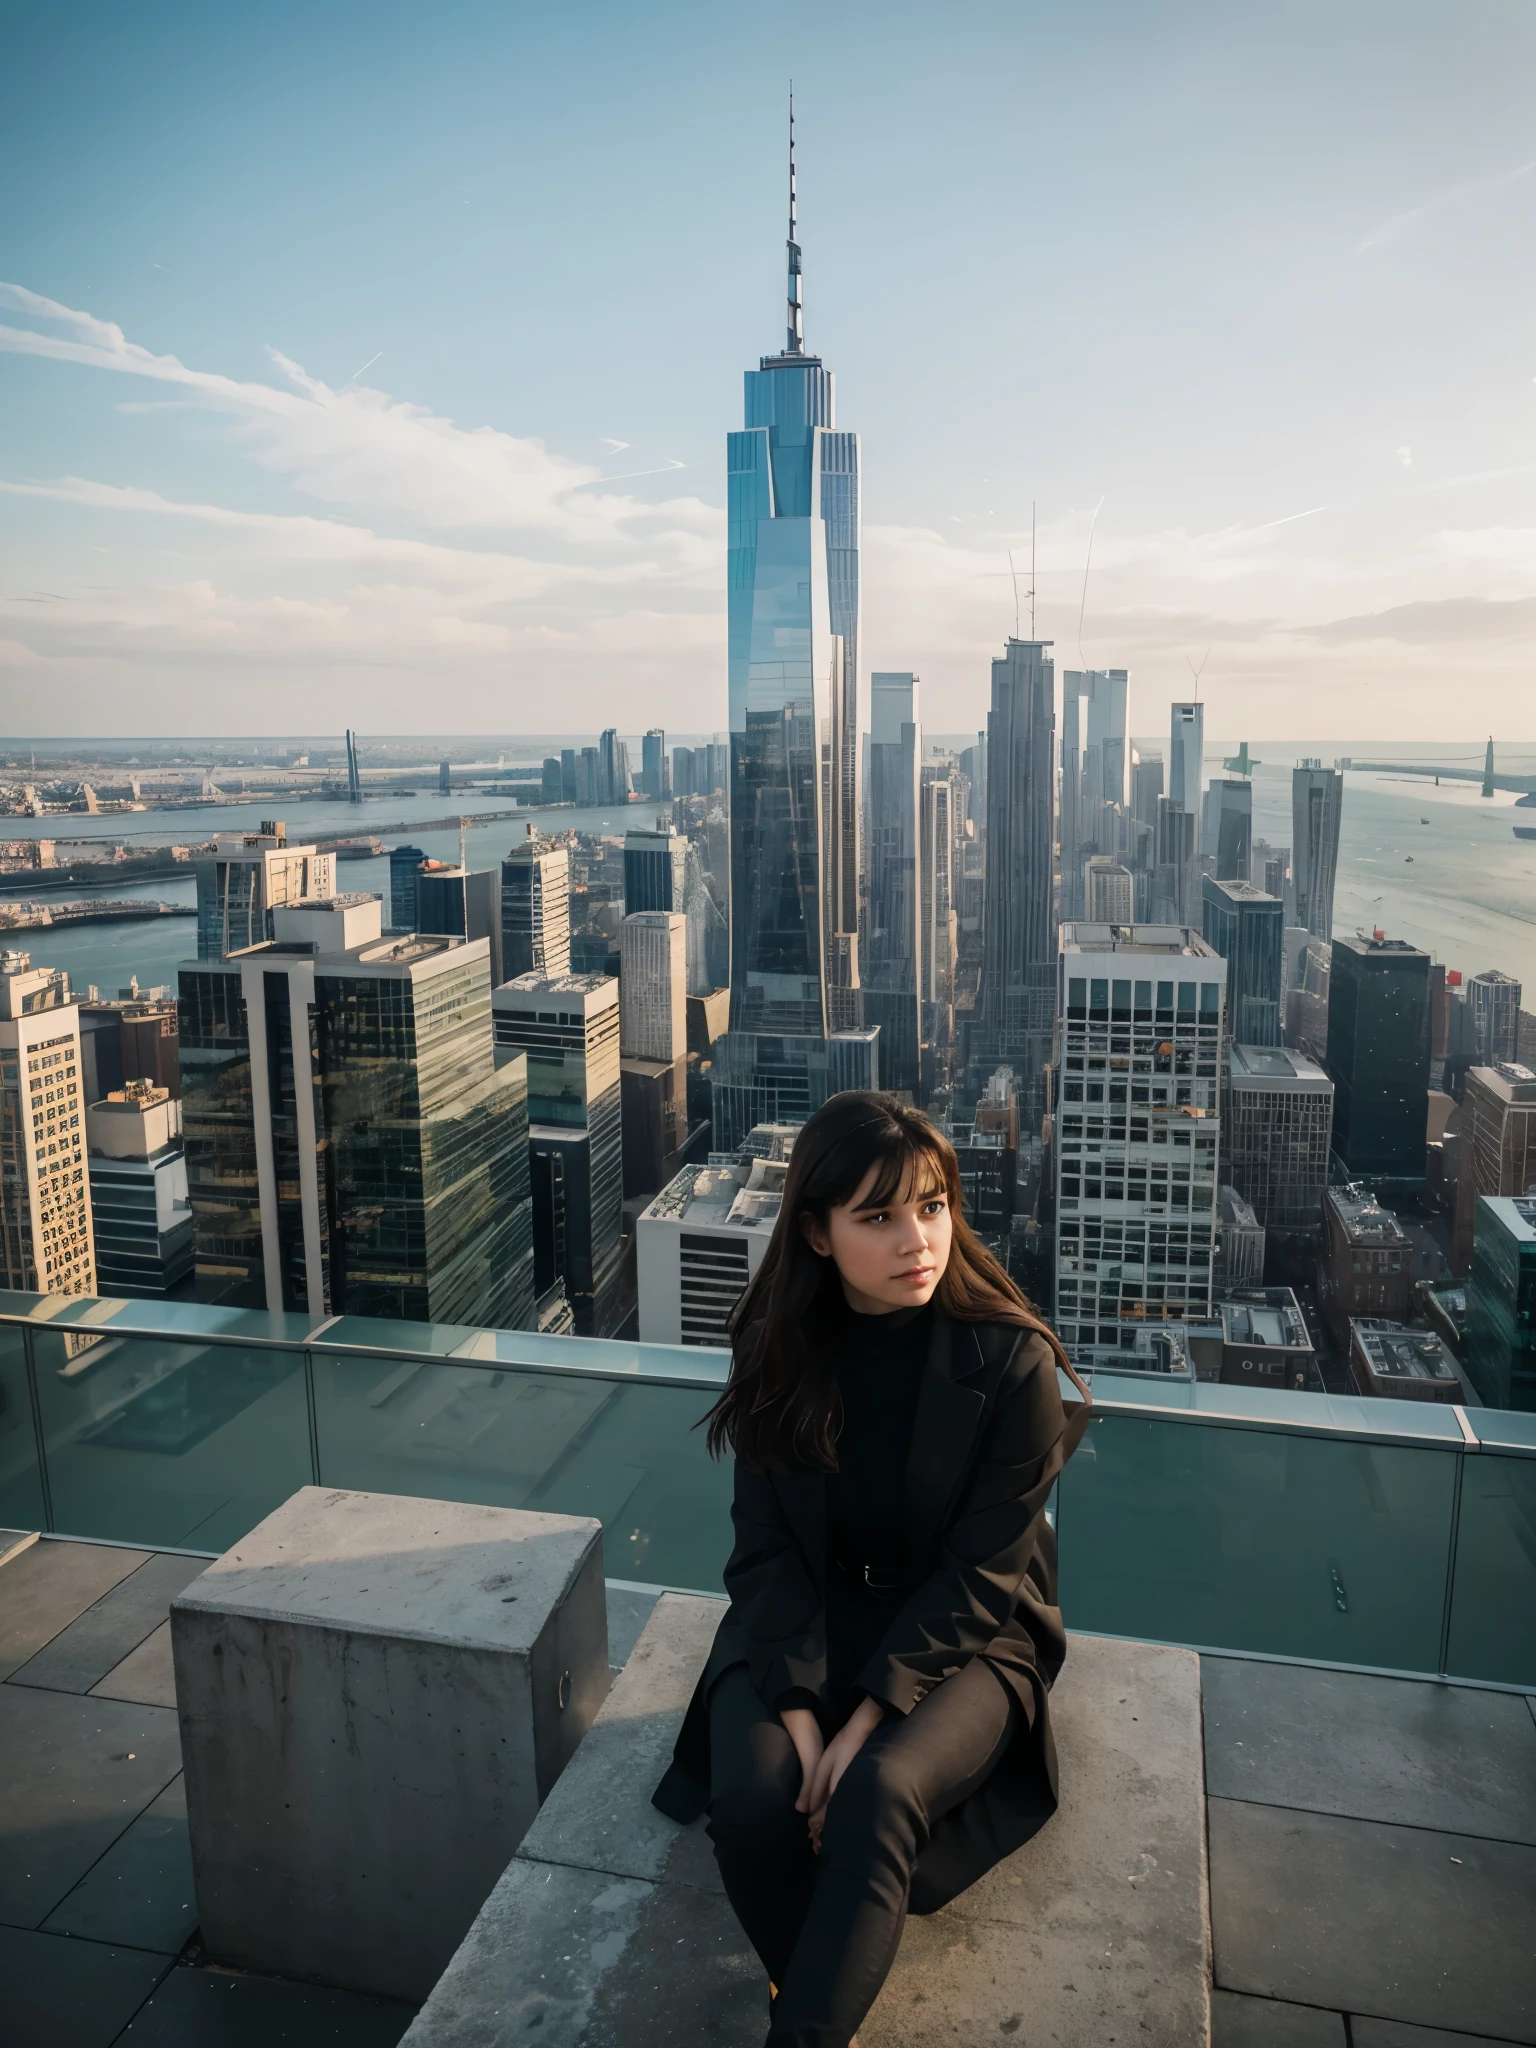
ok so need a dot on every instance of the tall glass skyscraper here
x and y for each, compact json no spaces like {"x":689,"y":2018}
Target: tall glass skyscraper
{"x":793,"y":511}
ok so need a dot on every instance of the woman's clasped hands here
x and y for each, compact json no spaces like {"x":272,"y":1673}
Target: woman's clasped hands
{"x":823,"y":1764}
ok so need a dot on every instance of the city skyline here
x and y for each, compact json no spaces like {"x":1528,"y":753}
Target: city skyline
{"x":290,"y":480}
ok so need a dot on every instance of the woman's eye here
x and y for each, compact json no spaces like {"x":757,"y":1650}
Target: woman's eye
{"x":934,"y":1207}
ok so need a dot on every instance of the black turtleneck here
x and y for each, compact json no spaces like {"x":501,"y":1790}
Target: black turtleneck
{"x":880,"y":1361}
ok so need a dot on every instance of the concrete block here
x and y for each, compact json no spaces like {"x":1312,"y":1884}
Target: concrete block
{"x":375,"y":1695}
{"x":609,"y":1929}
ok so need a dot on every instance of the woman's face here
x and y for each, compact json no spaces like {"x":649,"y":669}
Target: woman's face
{"x":892,"y":1257}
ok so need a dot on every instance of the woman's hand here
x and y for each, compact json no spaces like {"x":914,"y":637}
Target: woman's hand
{"x":837,"y":1756}
{"x":804,"y":1731}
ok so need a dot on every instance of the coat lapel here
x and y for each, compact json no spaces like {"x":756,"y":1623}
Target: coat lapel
{"x":949,"y":1412}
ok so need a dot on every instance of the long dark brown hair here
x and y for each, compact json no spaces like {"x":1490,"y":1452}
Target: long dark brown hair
{"x":780,"y":1406}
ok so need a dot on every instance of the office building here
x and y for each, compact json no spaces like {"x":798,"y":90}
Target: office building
{"x":1500,"y":1349}
{"x":655,"y":871}
{"x":568,"y":1026}
{"x":1368,"y":1261}
{"x":404,"y":864}
{"x":1138,"y":1128}
{"x":1146,"y":787}
{"x":1385,"y":1360}
{"x":140,"y":1213}
{"x":792,"y":492}
{"x":653,"y":991}
{"x":1186,"y":759}
{"x":131,"y":1039}
{"x":1247,"y":928}
{"x":655,"y":776}
{"x":1239,"y":1259}
{"x":251,"y":875}
{"x":454,"y":903}
{"x":653,"y":1105}
{"x":702,"y":1239}
{"x":1496,"y":1151}
{"x":1306,"y":999}
{"x":613,"y":780}
{"x":940,"y":822}
{"x":1018,"y":941}
{"x":353,"y":1146}
{"x":1109,"y":891}
{"x":45,"y":1207}
{"x":1226,"y":828}
{"x":1378,"y":1056}
{"x":1277,"y":1126}
{"x":1493,"y":1009}
{"x":551,"y":781}
{"x":1265,"y":1341}
{"x":893,"y":973}
{"x":536,"y":910}
{"x":1317,"y":805}
{"x":1175,"y":884}
{"x":567,"y":775}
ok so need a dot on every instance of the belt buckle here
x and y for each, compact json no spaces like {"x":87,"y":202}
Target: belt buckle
{"x":879,"y":1578}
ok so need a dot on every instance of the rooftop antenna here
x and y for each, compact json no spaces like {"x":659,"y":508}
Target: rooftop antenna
{"x":1015,"y":575}
{"x":462,"y":823}
{"x":1031,"y":568}
{"x":1198,"y":672}
{"x":794,"y":344}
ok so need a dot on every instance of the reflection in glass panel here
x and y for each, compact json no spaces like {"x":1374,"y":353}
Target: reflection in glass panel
{"x":153,"y":1442}
{"x":21,"y":1486}
{"x":1493,"y":1611}
{"x":626,"y":1453}
{"x":1251,"y":1540}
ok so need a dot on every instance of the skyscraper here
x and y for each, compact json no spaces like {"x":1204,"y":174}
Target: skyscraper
{"x":1095,"y":755}
{"x":613,"y":769}
{"x":1247,"y":928}
{"x":1226,"y":828}
{"x":1317,"y":803}
{"x":404,"y":863}
{"x":893,"y":958}
{"x":249,"y":876}
{"x":1277,"y":1127}
{"x":655,"y":870}
{"x":568,"y":1026}
{"x":1186,"y":758}
{"x":536,"y":909}
{"x":939,"y":923}
{"x":1138,"y":1129}
{"x":47,"y":1245}
{"x":1018,"y":975}
{"x":653,"y":997}
{"x":1378,"y":1056}
{"x":1497,"y":1152}
{"x":654,"y":778}
{"x":353,"y":1146}
{"x":793,"y":636}
{"x":1493,"y":1006}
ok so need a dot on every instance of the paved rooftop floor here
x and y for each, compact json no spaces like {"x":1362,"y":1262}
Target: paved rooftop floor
{"x":1372,"y":1843}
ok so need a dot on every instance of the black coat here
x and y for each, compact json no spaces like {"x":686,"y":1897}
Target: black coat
{"x":989,"y":1441}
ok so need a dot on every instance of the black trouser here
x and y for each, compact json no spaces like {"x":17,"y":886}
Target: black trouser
{"x":827,"y":1926}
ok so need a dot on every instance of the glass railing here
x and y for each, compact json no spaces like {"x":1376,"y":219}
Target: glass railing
{"x":1387,"y":1535}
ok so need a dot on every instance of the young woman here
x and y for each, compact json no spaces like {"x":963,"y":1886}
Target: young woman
{"x":870,"y":1733}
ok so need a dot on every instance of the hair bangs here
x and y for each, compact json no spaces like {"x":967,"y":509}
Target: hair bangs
{"x":909,"y":1170}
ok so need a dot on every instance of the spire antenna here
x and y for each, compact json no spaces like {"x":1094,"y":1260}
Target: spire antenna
{"x":795,"y":336}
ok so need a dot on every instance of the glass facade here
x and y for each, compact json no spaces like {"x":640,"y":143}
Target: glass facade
{"x":1247,"y":928}
{"x":219,"y":1129}
{"x":536,"y":911}
{"x":1500,"y":1349}
{"x":1018,"y":973}
{"x":1378,"y":1056}
{"x":893,"y":943}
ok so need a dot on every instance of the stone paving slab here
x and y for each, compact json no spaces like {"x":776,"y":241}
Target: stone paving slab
{"x":206,"y":2008}
{"x":1399,"y":1923}
{"x":147,"y":1675}
{"x":76,"y":1773}
{"x":140,"y":1893}
{"x":59,"y":1993}
{"x":609,"y":1930}
{"x":1417,"y":1754}
{"x":47,"y":1585}
{"x":99,"y":1639}
{"x":14,"y":1541}
{"x":1368,"y":2033}
{"x":1238,"y":2022}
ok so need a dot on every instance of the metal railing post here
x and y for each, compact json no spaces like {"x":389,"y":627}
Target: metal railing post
{"x":309,"y":1409}
{"x":45,"y":1486}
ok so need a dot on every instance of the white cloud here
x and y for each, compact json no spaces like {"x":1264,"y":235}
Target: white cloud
{"x":1472,"y":190}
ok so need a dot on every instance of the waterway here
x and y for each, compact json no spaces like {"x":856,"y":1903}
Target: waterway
{"x":1438,"y":866}
{"x":109,"y":954}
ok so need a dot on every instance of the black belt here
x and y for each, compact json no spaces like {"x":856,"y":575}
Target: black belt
{"x":872,"y":1579}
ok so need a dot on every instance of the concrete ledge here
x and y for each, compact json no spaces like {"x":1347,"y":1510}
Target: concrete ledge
{"x":609,"y":1928}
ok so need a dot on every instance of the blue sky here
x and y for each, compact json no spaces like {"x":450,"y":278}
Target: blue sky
{"x":371,"y":364}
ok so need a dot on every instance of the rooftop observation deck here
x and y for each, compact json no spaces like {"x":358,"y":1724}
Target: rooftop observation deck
{"x":1359,"y":1576}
